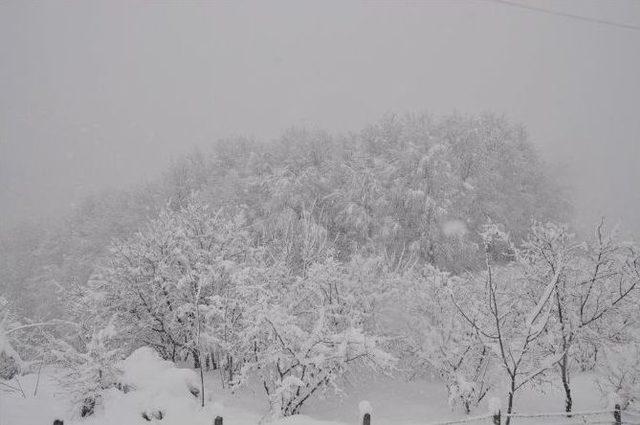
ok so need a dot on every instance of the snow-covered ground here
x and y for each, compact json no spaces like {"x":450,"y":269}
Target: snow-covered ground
{"x":161,"y":386}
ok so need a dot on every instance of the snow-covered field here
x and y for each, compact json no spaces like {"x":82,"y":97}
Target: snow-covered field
{"x":160,"y":386}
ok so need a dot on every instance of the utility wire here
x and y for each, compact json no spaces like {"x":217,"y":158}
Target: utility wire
{"x":567,"y":15}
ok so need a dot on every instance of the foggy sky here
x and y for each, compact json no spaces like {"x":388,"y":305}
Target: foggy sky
{"x":104,"y":94}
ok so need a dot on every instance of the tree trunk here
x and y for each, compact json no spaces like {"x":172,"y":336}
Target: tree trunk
{"x":201,"y":385}
{"x":512,"y":393}
{"x":214,"y":365}
{"x":196,"y":360}
{"x":564,"y":363}
{"x":564,"y":375}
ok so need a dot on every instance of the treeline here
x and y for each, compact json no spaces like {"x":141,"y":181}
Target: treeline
{"x":413,"y":188}
{"x":418,"y":246}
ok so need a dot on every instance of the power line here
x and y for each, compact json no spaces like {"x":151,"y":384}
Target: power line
{"x":567,"y":15}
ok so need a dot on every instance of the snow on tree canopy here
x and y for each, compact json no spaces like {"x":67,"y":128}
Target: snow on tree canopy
{"x":454,"y":228}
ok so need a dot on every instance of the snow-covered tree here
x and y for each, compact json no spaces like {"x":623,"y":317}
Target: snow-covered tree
{"x":418,"y":312}
{"x":511,"y":320}
{"x":171,"y":286}
{"x":307,"y":332}
{"x":596,"y":293}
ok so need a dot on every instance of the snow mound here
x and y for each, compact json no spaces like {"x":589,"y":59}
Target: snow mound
{"x":152,"y":390}
{"x":145,"y":371}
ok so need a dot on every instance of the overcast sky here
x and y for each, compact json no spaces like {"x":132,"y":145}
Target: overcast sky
{"x":104,"y":94}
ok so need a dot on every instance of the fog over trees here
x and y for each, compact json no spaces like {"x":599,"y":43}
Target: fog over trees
{"x":246,"y":205}
{"x":420,"y":246}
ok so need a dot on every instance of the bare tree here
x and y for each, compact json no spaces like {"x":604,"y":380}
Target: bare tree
{"x":508,"y":321}
{"x":596,"y":282}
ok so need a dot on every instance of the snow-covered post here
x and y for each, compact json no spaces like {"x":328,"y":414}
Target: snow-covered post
{"x":494,"y":410}
{"x":365,"y":412}
{"x":217,"y":407}
{"x":617,"y":414}
{"x":614,"y":401}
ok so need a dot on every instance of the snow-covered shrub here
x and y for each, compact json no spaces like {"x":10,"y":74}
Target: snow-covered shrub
{"x":18,"y":344}
{"x":465,"y":394}
{"x":10,"y":361}
{"x":87,"y":368}
{"x":619,"y":374}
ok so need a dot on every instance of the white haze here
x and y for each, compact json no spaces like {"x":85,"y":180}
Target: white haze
{"x":104,"y":94}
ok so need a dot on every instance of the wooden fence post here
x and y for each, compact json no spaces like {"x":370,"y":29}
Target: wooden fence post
{"x":617,"y":414}
{"x":365,"y":412}
{"x":217,"y":420}
{"x":496,"y":418}
{"x":366,"y":419}
{"x":494,"y":410}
